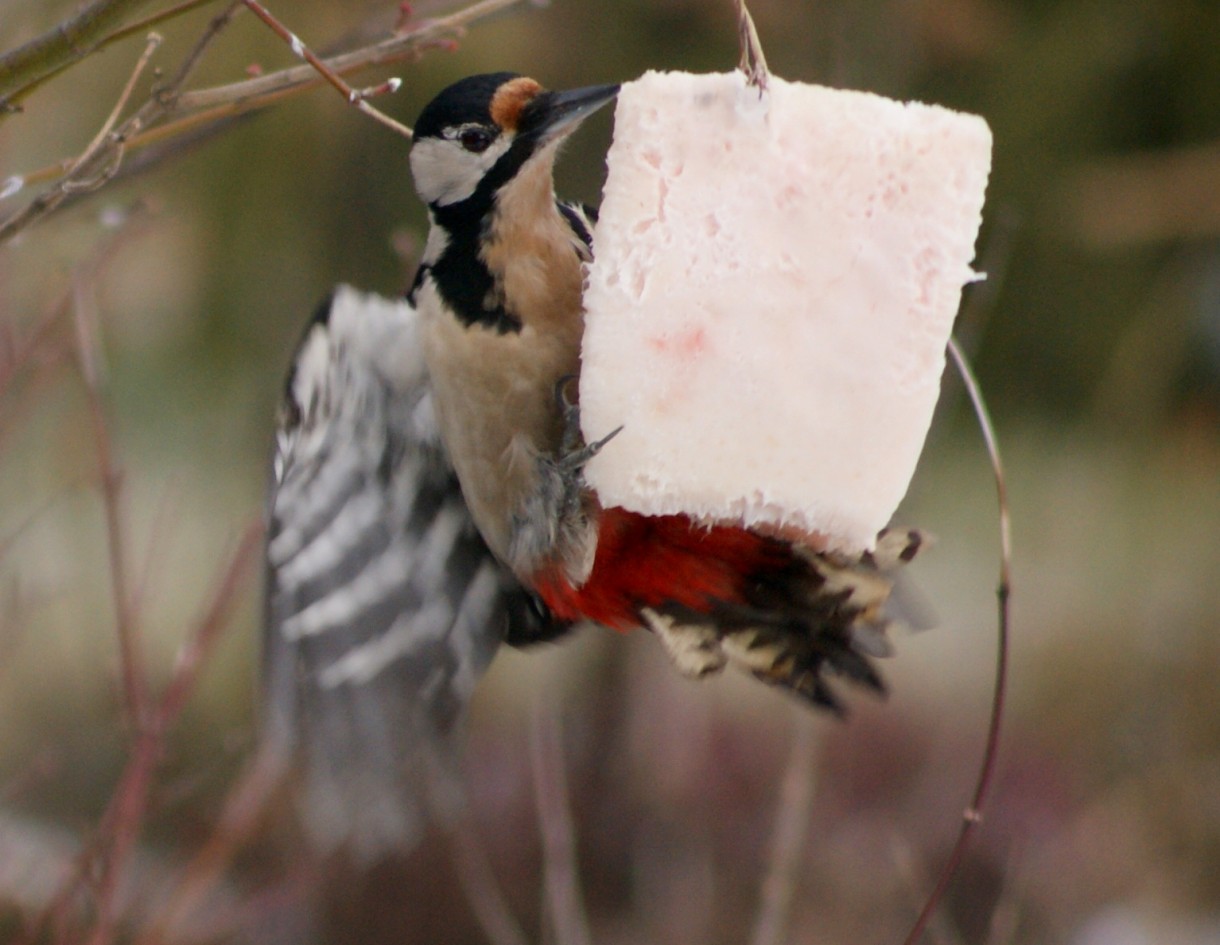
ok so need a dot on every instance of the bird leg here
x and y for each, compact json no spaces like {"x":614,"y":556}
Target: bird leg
{"x":557,"y":524}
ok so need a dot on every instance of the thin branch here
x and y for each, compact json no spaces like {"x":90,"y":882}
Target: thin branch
{"x":151,"y":44}
{"x":131,"y":657}
{"x":17,"y":600}
{"x":394,"y":49}
{"x":202,"y":640}
{"x":158,"y":533}
{"x":133,"y":29}
{"x":9,"y":539}
{"x":912,"y":870}
{"x":95,"y":165}
{"x":152,"y":20}
{"x":357,"y":97}
{"x":103,"y":862}
{"x":109,"y":146}
{"x":753,"y":62}
{"x":167,"y":96}
{"x":788,"y":838}
{"x":206,"y":108}
{"x":122,"y":823}
{"x":12,"y":627}
{"x":478,"y":882}
{"x":973,"y":815}
{"x":121,"y":829}
{"x":21,"y":348}
{"x":560,"y":873}
{"x":72,"y":39}
{"x":38,"y":348}
{"x":244,"y":807}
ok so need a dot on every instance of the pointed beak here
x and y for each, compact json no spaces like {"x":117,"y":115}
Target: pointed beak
{"x":552,"y":115}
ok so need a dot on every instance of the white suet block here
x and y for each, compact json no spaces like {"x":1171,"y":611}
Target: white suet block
{"x":775,"y":281}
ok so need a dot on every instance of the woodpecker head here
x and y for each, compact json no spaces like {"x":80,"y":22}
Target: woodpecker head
{"x":501,"y":251}
{"x":479,"y":133}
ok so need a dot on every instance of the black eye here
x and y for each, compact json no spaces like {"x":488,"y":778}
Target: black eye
{"x":475,"y":140}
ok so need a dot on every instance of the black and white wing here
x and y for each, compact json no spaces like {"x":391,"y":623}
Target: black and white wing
{"x":384,"y":606}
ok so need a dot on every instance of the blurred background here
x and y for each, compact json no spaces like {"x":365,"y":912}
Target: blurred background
{"x":1097,"y":340}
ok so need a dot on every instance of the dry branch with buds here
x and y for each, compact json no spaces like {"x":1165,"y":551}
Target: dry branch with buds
{"x":171,"y":112}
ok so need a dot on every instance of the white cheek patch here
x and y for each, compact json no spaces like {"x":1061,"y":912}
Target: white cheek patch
{"x":447,"y":173}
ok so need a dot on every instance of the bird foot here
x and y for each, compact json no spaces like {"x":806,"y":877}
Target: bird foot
{"x":556,"y":523}
{"x":574,"y":454}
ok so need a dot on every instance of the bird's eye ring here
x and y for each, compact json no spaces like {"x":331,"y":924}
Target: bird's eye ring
{"x":475,"y":140}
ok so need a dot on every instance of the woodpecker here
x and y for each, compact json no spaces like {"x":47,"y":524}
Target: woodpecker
{"x":427,"y":501}
{"x":498,"y":296}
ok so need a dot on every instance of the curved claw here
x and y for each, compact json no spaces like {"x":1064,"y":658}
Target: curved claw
{"x":569,"y":411}
{"x":574,"y":460}
{"x":572,"y":455}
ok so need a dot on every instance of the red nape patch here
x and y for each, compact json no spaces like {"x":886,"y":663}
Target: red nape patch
{"x":648,"y":561}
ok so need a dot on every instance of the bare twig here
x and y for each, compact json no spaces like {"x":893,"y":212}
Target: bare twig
{"x":131,"y":659}
{"x":210,"y":108}
{"x":479,"y":883}
{"x":153,"y":20}
{"x":142,"y":25}
{"x":244,"y":806}
{"x":357,"y":97}
{"x":33,"y":351}
{"x":166,"y":96}
{"x":120,"y":830}
{"x":23,"y":347}
{"x":987,"y":428}
{"x":560,"y":873}
{"x":12,"y":624}
{"x":102,"y":863}
{"x":912,"y":871}
{"x":202,"y":640}
{"x":37,"y":854}
{"x":973,"y":815}
{"x":391,"y":50}
{"x":753,"y":62}
{"x":124,"y":818}
{"x":15,"y":601}
{"x":158,"y":532}
{"x":788,"y":838}
{"x":94,"y":146}
{"x":72,"y":39}
{"x":95,"y":165}
{"x":108,"y":146}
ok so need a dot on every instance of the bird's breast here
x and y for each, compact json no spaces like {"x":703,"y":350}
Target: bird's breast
{"x":495,"y":402}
